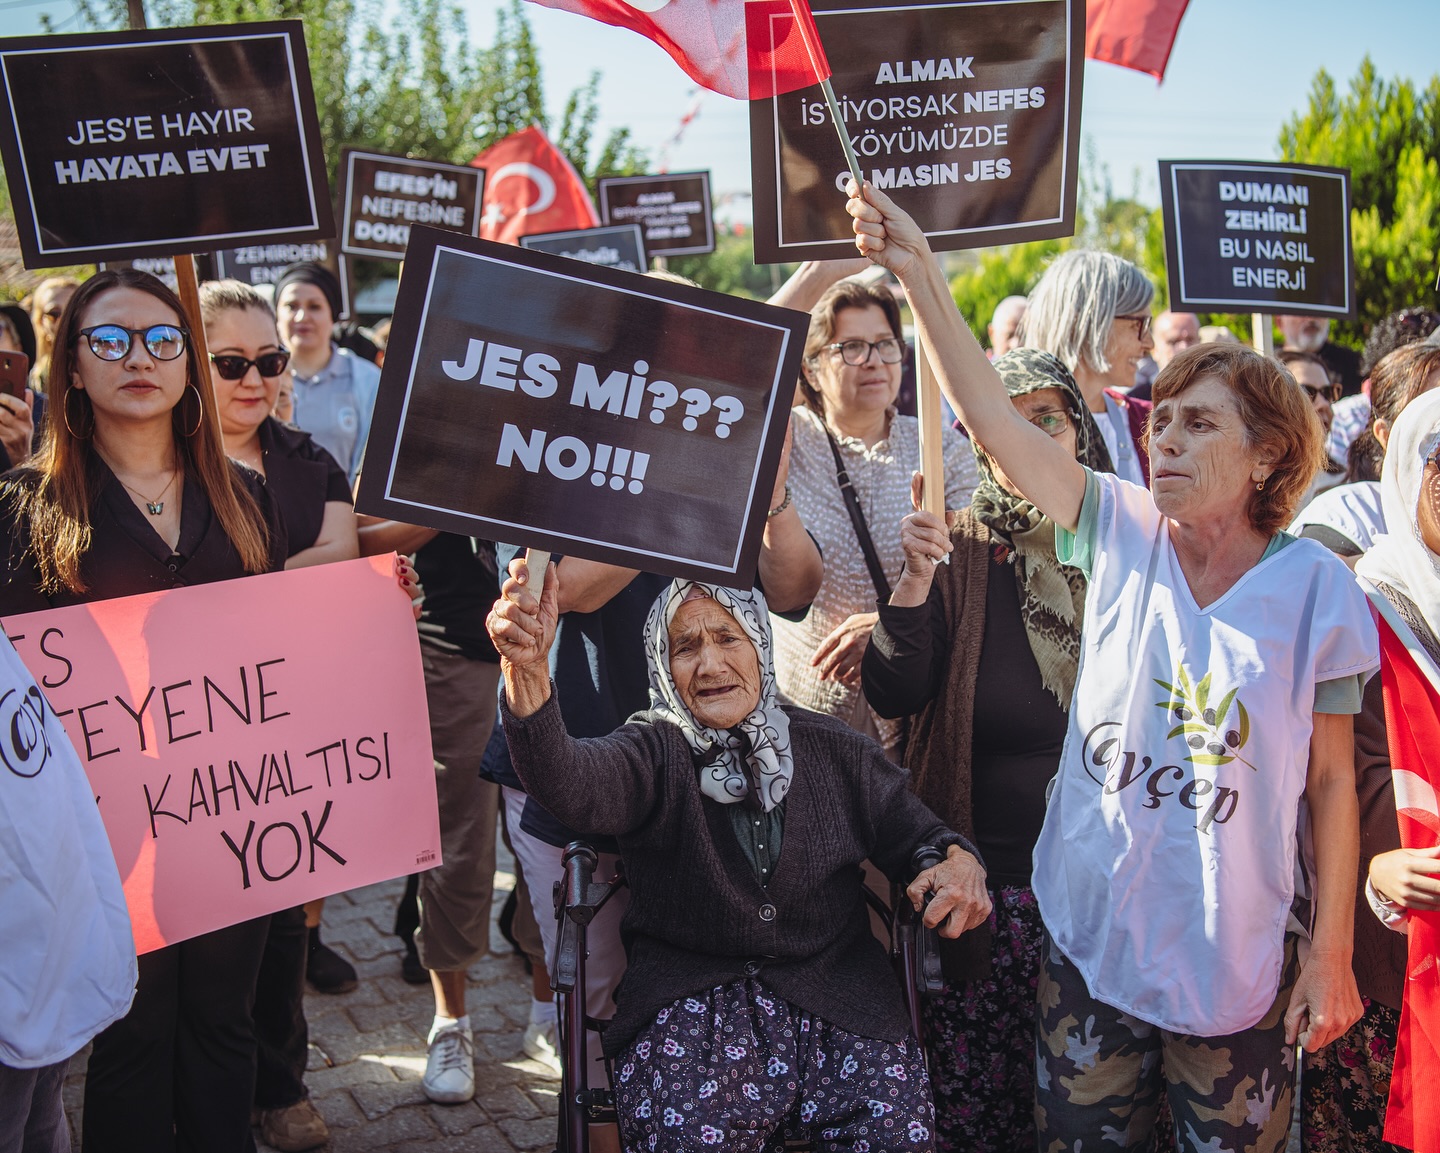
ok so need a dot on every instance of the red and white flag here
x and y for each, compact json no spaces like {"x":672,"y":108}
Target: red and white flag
{"x":531,"y":187}
{"x":1412,"y":724}
{"x":707,"y":38}
{"x":1134,"y":34}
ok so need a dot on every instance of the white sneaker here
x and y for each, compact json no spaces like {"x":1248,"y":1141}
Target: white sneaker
{"x":539,"y":1045}
{"x":450,"y":1066}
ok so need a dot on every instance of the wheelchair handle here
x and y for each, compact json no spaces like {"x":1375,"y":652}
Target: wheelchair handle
{"x":579,"y":862}
{"x":925,"y":857}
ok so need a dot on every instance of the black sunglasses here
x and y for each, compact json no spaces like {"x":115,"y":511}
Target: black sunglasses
{"x":114,"y":341}
{"x":235,"y":367}
{"x":1329,"y":392}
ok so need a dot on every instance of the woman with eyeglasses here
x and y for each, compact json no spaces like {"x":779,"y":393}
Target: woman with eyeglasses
{"x":131,"y":493}
{"x":1322,"y":391}
{"x":1091,"y":310}
{"x":981,"y":654}
{"x":850,"y":465}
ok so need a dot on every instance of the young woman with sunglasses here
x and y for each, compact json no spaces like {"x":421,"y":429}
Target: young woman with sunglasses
{"x":131,"y":493}
{"x":247,"y":362}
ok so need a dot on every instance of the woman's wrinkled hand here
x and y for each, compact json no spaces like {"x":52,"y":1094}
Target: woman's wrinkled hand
{"x":961,"y":900}
{"x":522,"y":627}
{"x":1324,"y":1003}
{"x":839,"y":655}
{"x":884,"y":232}
{"x":409,"y":582}
{"x":1409,"y":878}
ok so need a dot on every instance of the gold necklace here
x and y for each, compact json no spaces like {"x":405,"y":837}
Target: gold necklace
{"x":157,"y":506}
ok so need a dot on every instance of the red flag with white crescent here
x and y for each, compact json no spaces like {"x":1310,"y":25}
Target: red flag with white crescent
{"x":531,"y":187}
{"x":1134,"y":34}
{"x":1412,"y":723}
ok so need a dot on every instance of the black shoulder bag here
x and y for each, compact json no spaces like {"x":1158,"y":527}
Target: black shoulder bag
{"x":857,"y":518}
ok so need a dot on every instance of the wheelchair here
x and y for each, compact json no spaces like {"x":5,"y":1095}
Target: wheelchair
{"x":914,"y":951}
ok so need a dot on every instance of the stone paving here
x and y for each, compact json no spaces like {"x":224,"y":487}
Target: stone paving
{"x":367,"y":1047}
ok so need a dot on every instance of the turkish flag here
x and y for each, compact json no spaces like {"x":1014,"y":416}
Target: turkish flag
{"x":531,"y":187}
{"x":707,"y":38}
{"x":1134,"y":34}
{"x":1412,"y":725}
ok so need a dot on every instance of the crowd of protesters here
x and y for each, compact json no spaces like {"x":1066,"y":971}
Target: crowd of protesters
{"x":1162,"y":921}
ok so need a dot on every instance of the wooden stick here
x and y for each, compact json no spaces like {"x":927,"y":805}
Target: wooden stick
{"x":188,"y":283}
{"x":1262,"y":333}
{"x":928,"y":409}
{"x":537,"y":562}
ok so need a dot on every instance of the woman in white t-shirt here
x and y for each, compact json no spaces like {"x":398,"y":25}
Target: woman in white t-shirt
{"x":1196,"y":909}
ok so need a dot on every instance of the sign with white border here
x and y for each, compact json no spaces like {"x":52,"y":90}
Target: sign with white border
{"x":610,"y":246}
{"x":382,"y":196}
{"x":673,"y":210}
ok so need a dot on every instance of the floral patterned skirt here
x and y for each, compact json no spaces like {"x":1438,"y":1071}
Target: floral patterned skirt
{"x":740,"y":1069}
{"x":1344,"y":1087}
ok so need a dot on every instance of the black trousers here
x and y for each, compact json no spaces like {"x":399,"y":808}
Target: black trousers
{"x":282,"y":1038}
{"x":177,"y":1073}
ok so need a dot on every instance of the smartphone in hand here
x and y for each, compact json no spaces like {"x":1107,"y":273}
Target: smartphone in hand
{"x":14,"y":368}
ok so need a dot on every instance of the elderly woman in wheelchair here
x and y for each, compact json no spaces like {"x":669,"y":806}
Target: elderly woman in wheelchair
{"x":757,"y":1006}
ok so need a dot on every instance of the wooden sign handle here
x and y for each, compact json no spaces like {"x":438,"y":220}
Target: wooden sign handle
{"x":538,"y":563}
{"x":1262,"y":333}
{"x":928,"y":410}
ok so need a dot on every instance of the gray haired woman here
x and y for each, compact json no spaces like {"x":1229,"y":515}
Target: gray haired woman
{"x":757,"y":1007}
{"x":1091,"y":310}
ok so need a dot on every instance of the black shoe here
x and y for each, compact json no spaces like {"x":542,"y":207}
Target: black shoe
{"x":326,"y":970}
{"x":411,"y":971}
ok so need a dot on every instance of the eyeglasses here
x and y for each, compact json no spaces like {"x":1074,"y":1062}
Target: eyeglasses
{"x":1052,"y":422}
{"x":1329,"y":392}
{"x":235,"y":367}
{"x":857,"y":352}
{"x":114,"y":342}
{"x":1142,"y":324}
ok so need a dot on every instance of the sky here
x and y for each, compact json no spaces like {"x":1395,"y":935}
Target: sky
{"x":1239,"y":69}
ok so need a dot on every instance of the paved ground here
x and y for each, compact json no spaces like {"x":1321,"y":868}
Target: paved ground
{"x":367,"y":1048}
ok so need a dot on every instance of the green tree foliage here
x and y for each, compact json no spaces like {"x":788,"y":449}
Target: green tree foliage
{"x":1387,"y":132}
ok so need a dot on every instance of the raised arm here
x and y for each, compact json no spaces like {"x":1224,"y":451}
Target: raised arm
{"x":1047,"y":475}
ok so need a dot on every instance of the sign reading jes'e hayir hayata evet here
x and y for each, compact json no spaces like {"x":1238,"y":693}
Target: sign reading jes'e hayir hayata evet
{"x":126,"y":144}
{"x":965,"y":112}
{"x":544,"y":402}
{"x":673,"y":210}
{"x":382,"y":196}
{"x":610,"y":246}
{"x":1258,"y":237}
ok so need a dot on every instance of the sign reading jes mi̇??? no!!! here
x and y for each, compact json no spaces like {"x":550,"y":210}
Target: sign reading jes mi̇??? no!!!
{"x":967,"y":112}
{"x":1258,"y":237}
{"x":544,"y":402}
{"x":126,"y":144}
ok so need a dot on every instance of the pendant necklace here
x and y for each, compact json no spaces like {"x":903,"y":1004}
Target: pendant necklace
{"x":157,"y":506}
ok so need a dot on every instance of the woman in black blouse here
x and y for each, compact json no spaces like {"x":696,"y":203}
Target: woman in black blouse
{"x":247,"y":366}
{"x":132,"y":493}
{"x":983,"y":652}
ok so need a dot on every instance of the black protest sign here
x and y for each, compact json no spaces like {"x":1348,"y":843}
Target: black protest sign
{"x":382,"y":196}
{"x":263,"y":263}
{"x":967,"y":113}
{"x":126,"y":144}
{"x":536,"y":400}
{"x":673,"y":211}
{"x":614,"y":246}
{"x":1258,"y":237}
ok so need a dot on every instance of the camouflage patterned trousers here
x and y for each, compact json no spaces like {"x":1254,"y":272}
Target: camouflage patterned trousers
{"x":1099,"y":1077}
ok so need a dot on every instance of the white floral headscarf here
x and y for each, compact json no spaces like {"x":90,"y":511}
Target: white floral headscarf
{"x":750,"y":762}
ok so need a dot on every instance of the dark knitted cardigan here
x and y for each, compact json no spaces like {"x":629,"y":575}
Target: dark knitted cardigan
{"x":698,"y":917}
{"x":940,"y":738}
{"x":1380,"y":952}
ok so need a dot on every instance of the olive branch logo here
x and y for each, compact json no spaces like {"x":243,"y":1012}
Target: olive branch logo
{"x":1204,"y":728}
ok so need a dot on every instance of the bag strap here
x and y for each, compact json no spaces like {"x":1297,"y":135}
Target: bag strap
{"x":857,"y":518}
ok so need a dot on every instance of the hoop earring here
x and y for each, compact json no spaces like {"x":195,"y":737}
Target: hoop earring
{"x":65,"y":412}
{"x":200,"y":403}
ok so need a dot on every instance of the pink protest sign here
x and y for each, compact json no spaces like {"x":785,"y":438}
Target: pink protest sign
{"x":252,"y":744}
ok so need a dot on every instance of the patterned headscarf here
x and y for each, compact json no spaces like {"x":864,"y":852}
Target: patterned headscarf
{"x":1052,"y":595}
{"x":751,"y":761}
